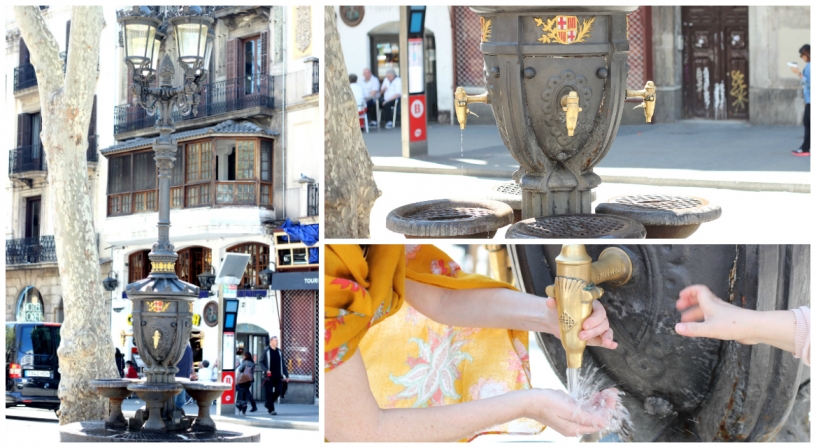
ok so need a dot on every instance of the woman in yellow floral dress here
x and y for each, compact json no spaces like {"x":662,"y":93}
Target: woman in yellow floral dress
{"x":394,"y":374}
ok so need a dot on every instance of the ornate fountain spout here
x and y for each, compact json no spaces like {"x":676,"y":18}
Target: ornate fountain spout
{"x":575,"y":288}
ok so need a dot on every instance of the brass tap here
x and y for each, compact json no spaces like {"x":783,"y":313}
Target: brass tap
{"x":649,"y":96}
{"x":570,"y":105}
{"x":575,"y":289}
{"x":461,"y":100}
{"x":123,"y":336}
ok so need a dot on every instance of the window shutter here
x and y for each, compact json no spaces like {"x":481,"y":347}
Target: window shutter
{"x":26,"y":125}
{"x":20,"y":130}
{"x":233,"y":48}
{"x":67,"y":37}
{"x":24,"y":57}
{"x":264,"y":42}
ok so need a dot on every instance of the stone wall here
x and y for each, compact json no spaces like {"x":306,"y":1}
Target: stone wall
{"x":775,"y":34}
{"x":45,"y":278}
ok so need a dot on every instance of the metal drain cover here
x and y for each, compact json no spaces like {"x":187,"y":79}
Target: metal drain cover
{"x":442,"y":218}
{"x":507,"y":192}
{"x":661,"y":210}
{"x":577,"y":226}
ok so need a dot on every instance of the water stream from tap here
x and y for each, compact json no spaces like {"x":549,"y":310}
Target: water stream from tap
{"x":573,"y":383}
{"x":462,"y":148}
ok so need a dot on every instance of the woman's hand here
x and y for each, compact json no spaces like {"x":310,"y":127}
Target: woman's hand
{"x":560,"y":412}
{"x":596,"y":329}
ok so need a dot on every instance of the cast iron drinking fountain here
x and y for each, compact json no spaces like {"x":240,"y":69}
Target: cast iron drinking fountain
{"x":677,"y":389}
{"x":162,"y":303}
{"x":555,"y":78}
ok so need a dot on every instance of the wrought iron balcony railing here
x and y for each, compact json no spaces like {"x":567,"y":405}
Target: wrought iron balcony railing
{"x":24,"y":77}
{"x":216,"y":98}
{"x":27,"y":158}
{"x":32,"y":157}
{"x":313,"y":201}
{"x":31,"y":250}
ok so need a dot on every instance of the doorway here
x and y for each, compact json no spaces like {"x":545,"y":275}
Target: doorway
{"x":715,"y":62}
{"x":255,"y":339}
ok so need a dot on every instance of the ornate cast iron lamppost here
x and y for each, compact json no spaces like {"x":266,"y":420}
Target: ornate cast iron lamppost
{"x":162,"y":303}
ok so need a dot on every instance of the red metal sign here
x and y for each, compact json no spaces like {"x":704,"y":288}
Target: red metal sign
{"x":228,"y":397}
{"x":417,"y":121}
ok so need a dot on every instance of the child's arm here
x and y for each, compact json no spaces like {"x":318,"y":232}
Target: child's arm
{"x":705,"y":315}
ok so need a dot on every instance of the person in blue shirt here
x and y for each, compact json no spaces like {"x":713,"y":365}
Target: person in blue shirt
{"x":804,"y":77}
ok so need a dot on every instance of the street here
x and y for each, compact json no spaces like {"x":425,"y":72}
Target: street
{"x":36,"y":427}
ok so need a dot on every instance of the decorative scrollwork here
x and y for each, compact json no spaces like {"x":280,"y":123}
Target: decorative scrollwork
{"x":553,"y":112}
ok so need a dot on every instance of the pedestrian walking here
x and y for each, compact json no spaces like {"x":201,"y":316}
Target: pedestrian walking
{"x":246,"y":377}
{"x":120,"y":363}
{"x":804,"y":78}
{"x":185,"y":367}
{"x":275,"y":373}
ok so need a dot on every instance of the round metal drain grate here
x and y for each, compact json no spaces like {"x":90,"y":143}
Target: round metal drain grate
{"x":577,"y":226}
{"x":511,"y":188}
{"x":94,"y":431}
{"x":663,"y":216}
{"x":659,"y":202}
{"x":450,"y":213}
{"x":447,"y":218}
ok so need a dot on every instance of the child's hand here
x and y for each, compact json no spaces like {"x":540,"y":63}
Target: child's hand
{"x":705,"y":315}
{"x":596,"y":326}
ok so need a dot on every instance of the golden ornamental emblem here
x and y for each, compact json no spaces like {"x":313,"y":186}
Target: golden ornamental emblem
{"x":157,"y":306}
{"x":162,"y":266}
{"x":486,"y":24}
{"x":564,"y":29}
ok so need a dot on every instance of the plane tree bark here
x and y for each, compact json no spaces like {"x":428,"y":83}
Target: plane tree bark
{"x":350,"y":187}
{"x":86,"y":351}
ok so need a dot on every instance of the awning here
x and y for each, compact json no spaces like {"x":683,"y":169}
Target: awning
{"x":293,"y":281}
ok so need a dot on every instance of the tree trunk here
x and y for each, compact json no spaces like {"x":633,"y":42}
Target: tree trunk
{"x":86,"y":351}
{"x":350,"y":187}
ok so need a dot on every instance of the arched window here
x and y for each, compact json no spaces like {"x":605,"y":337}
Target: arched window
{"x":258,"y":261}
{"x":193,"y":261}
{"x":138,"y":266}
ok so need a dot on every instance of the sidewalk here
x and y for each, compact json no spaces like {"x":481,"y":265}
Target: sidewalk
{"x":290,"y":416}
{"x":702,"y":154}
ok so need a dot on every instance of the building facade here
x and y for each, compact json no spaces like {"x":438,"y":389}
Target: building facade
{"x":249,"y":160}
{"x":31,"y":265}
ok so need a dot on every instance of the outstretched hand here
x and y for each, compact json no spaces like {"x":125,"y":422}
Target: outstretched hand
{"x":595,"y":331}
{"x":562,"y":413}
{"x":704,"y":315}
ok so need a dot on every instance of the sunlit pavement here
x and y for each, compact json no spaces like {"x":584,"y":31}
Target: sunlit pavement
{"x":40,"y":426}
{"x":747,"y":216}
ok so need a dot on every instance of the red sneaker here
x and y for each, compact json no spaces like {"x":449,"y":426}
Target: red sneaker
{"x":800,"y":153}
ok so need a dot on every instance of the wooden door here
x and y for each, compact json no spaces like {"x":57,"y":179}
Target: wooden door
{"x":32,"y":219}
{"x":715,"y":62}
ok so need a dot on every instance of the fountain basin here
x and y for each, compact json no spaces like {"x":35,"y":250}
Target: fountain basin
{"x":116,"y":391}
{"x":510,"y":194}
{"x":450,"y":218}
{"x":663,"y":216}
{"x":204,"y":394}
{"x":577,"y":226}
{"x":154,"y":395}
{"x":95,"y":431}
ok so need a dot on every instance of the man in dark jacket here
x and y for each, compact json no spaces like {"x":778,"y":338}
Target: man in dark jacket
{"x":275,"y":373}
{"x":185,"y":367}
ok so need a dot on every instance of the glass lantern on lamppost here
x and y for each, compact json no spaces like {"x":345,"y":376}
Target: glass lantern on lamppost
{"x":162,"y":303}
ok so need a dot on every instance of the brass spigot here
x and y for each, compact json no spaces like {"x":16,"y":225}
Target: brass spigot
{"x":649,"y":96}
{"x":570,"y":105}
{"x":123,"y":336}
{"x":461,"y":100}
{"x":575,"y":289}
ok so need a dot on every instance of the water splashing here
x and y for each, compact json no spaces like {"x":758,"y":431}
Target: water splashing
{"x":596,"y":395}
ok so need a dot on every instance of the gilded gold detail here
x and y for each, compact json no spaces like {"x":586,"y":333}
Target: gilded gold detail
{"x":156,"y":337}
{"x":157,"y":306}
{"x":739,"y":90}
{"x":191,"y":306}
{"x":564,"y":29}
{"x":486,"y":24}
{"x":163,"y":266}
